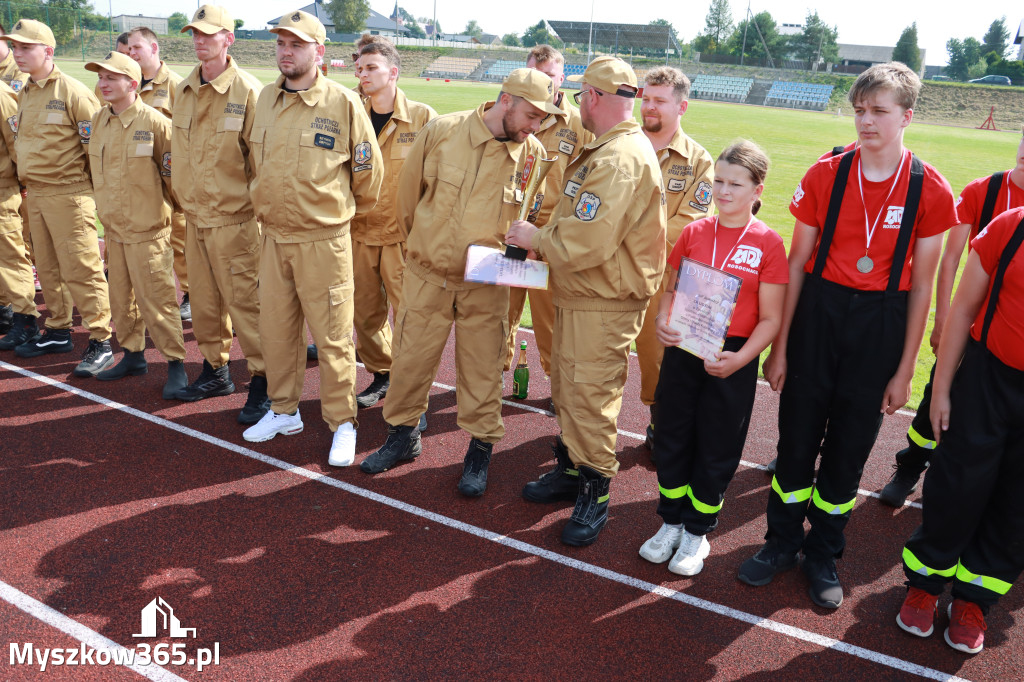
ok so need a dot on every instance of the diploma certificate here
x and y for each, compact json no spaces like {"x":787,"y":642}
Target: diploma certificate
{"x":490,"y":266}
{"x":702,"y":307}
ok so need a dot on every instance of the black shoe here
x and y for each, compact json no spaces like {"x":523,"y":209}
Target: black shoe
{"x":649,"y":440}
{"x":403,"y":443}
{"x":474,"y":471}
{"x":6,"y":318}
{"x":910,"y":464}
{"x":133,"y":363}
{"x":770,"y":467}
{"x":759,"y":569}
{"x":176,"y":379}
{"x":312,"y":354}
{"x":185,"y":309}
{"x":561,"y":484}
{"x":50,"y":341}
{"x":825,"y":589}
{"x":23,"y":330}
{"x":257,"y":404}
{"x":591,"y":511}
{"x":422,"y":426}
{"x":211,"y":382}
{"x":96,"y":358}
{"x":376,"y":391}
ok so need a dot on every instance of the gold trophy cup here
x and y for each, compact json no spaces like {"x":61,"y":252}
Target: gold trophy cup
{"x":536,"y":172}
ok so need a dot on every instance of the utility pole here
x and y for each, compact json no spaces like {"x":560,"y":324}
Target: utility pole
{"x":743,"y":49}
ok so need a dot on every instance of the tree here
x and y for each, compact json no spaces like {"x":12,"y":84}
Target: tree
{"x":997,"y":39}
{"x":62,"y":16}
{"x":817,"y":42}
{"x":963,"y":56}
{"x":239,"y":23}
{"x":667,"y":24}
{"x":176,"y":22}
{"x":473,"y":29}
{"x":415,"y":30}
{"x":762,"y":26}
{"x":718,"y":22}
{"x":512,"y":40}
{"x":540,"y":35}
{"x":349,"y":15}
{"x":906,"y":49}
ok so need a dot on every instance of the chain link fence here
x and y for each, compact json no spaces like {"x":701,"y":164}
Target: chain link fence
{"x":77,"y":31}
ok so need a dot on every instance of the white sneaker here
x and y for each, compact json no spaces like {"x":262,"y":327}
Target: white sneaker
{"x":272,"y":424}
{"x":343,"y":449}
{"x":658,"y":549}
{"x":689,"y":558}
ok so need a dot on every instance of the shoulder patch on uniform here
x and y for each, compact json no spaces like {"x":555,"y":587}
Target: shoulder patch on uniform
{"x":85,"y":130}
{"x":798,"y":194}
{"x":566,"y":147}
{"x":363,"y":153}
{"x":16,"y":85}
{"x":703,"y":194}
{"x":165,"y":164}
{"x":586,"y":207}
{"x":699,"y":207}
{"x":676,"y":185}
{"x":959,"y":200}
{"x":325,"y":141}
{"x":13,"y":123}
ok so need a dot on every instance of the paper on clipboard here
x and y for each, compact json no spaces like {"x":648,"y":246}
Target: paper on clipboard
{"x":490,"y":266}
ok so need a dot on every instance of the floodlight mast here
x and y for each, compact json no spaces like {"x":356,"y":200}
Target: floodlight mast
{"x":590,"y":41}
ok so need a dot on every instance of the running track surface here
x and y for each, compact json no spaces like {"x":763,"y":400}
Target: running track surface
{"x":113,"y":497}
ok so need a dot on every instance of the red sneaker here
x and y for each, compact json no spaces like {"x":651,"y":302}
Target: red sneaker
{"x":966,"y":631}
{"x":917,"y":615}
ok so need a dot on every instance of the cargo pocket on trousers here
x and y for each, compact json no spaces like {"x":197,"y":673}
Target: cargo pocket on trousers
{"x":160,"y":264}
{"x":339,"y":298}
{"x":244,"y":277}
{"x":593,"y":385}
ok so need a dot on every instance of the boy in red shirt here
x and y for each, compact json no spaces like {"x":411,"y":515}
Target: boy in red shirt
{"x":867,"y":239}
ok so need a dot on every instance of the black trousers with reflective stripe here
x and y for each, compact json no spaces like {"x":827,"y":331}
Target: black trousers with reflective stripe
{"x":844,"y":346}
{"x":974,"y":489}
{"x":701,"y":428}
{"x":918,"y":456}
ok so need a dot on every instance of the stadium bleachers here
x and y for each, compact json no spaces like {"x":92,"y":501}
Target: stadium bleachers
{"x":798,"y":95}
{"x":502,"y":68}
{"x":724,"y":88}
{"x":451,"y":67}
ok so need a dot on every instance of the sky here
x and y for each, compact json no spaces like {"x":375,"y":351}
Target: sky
{"x":868,"y":22}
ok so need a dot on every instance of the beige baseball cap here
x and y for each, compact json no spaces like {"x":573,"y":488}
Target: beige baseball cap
{"x":303,"y":25}
{"x":210,"y":19}
{"x":609,"y":74}
{"x":32,"y":32}
{"x":533,"y":86}
{"x":118,"y":63}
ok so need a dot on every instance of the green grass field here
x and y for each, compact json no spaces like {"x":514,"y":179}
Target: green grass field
{"x":792,"y":139}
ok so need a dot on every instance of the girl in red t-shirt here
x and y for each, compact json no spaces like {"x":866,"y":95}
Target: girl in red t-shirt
{"x":703,"y":407}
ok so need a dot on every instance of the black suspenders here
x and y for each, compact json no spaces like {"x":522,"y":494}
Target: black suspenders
{"x":997,"y":281}
{"x":989,"y":207}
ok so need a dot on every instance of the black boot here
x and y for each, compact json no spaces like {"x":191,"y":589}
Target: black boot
{"x":133,"y":363}
{"x":376,"y":391}
{"x":910,"y":463}
{"x":591,"y":512}
{"x":558,"y":485}
{"x":23,"y":330}
{"x":176,"y":379}
{"x":403,"y":443}
{"x":649,"y":440}
{"x":6,"y":318}
{"x":474,"y":471}
{"x":211,"y":382}
{"x":257,"y":404}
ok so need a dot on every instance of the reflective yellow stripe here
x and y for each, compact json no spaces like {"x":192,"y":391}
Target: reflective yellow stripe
{"x":674,"y":493}
{"x":829,"y":508}
{"x":915,"y":565}
{"x":604,"y":498}
{"x":791,"y":497}
{"x":571,"y":472}
{"x":920,"y":440}
{"x":996,"y":585}
{"x":700,"y":506}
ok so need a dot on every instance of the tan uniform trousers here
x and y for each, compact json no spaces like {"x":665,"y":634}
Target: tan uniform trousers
{"x":309,"y":282}
{"x":67,"y":253}
{"x":422,"y":326}
{"x":590,"y":358}
{"x":16,"y":287}
{"x":178,"y":246}
{"x":142,"y":294}
{"x":223,"y":265}
{"x":649,"y":350}
{"x":378,"y":277}
{"x":542,"y":310}
{"x":26,"y":233}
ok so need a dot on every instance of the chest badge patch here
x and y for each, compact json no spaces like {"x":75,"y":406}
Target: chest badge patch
{"x":586,"y":207}
{"x":676,"y":185}
{"x":325,"y":141}
{"x":566,"y":147}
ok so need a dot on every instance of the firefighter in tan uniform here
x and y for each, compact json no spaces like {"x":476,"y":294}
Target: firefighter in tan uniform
{"x":17,"y":295}
{"x":130,"y":160}
{"x":316,"y":165}
{"x":54,"y":125}
{"x":212,"y":123}
{"x":378,"y":247}
{"x":460,"y":186}
{"x":688,"y":171}
{"x":9,"y":71}
{"x":605,"y":244}
{"x":157,"y":89}
{"x":562,"y":135}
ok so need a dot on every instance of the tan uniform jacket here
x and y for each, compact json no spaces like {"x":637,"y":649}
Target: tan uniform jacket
{"x":606,"y":239}
{"x":11,"y":74}
{"x":54,"y":125}
{"x":562,"y":135}
{"x":380,"y":227}
{"x":459,"y":186}
{"x":130,"y":159}
{"x":9,"y":112}
{"x":159,"y":93}
{"x":688,"y":171}
{"x":212,"y":125}
{"x":316,"y":161}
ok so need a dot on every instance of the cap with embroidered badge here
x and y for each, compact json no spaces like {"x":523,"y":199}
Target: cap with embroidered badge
{"x":533,"y":86}
{"x":117,"y":63}
{"x":210,"y":19}
{"x":609,"y":74}
{"x":303,"y":25}
{"x":32,"y":32}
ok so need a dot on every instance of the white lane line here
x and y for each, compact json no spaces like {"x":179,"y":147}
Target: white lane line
{"x":476,"y":531}
{"x":69,"y":626}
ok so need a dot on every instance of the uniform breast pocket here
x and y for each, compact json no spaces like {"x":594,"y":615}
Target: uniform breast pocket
{"x":51,"y":117}
{"x":447,"y":186}
{"x":143,"y":173}
{"x":510,"y":201}
{"x":96,"y":166}
{"x":256,"y":138}
{"x":320,"y":156}
{"x":181,"y":127}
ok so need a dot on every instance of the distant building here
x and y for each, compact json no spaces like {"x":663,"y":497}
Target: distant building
{"x":126,"y":22}
{"x":376,"y":23}
{"x":1019,"y":40}
{"x":868,"y":55}
{"x":790,"y":29}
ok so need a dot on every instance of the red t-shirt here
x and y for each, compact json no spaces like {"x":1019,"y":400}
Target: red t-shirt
{"x":761,"y":257}
{"x":936,"y":213}
{"x":972,"y":200}
{"x":1007,"y":330}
